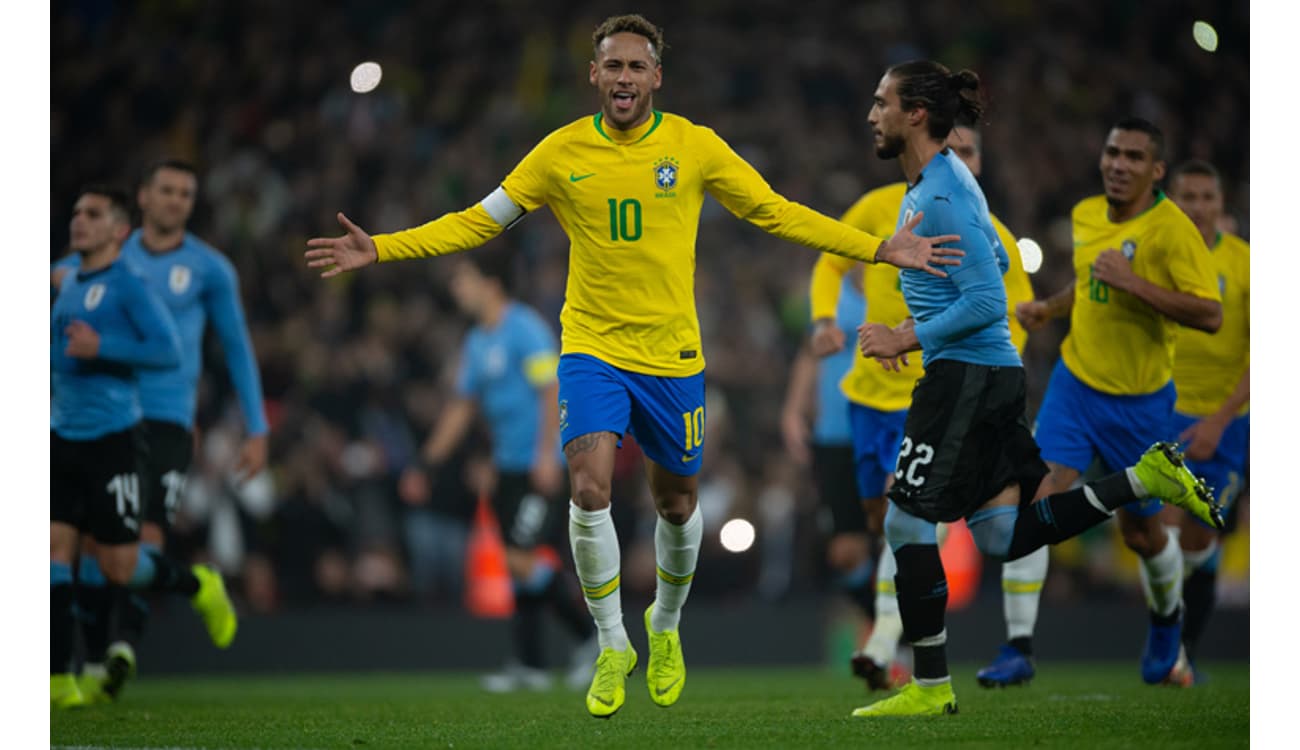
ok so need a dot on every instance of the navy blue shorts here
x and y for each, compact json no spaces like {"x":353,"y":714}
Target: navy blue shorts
{"x":1077,"y":423}
{"x":664,"y":414}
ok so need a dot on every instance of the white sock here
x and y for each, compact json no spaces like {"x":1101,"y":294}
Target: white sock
{"x":1193,"y":559}
{"x":882,"y":646}
{"x":1162,"y":577}
{"x":676,"y":550}
{"x":1022,"y":585}
{"x":596,"y":558}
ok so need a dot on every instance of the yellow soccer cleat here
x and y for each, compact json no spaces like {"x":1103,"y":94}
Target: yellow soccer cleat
{"x":666,"y":672}
{"x":608,"y":690}
{"x":213,"y":605}
{"x":64,"y":692}
{"x":1162,"y":471}
{"x":914,"y":700}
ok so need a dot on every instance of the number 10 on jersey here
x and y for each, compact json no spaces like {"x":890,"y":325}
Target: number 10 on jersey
{"x":624,"y":219}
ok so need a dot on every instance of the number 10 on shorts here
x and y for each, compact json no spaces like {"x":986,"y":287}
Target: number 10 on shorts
{"x":694,"y":422}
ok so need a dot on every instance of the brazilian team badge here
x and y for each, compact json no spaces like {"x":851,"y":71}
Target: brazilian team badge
{"x":1129,"y":249}
{"x":564,"y":414}
{"x":666,"y":173}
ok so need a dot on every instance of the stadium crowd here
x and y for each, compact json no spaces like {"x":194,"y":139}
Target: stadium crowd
{"x":356,"y":370}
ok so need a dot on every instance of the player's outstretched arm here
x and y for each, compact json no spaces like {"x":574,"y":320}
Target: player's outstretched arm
{"x":346,"y":253}
{"x":909,"y":250}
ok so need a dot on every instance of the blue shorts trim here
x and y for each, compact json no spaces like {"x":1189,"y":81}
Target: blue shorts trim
{"x":877,"y":436}
{"x":1225,"y":471}
{"x":665,"y":414}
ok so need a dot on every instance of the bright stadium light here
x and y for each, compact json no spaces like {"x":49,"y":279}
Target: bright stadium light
{"x":737,"y":535}
{"x":1030,"y":254}
{"x":1205,"y":35}
{"x":365,"y":77}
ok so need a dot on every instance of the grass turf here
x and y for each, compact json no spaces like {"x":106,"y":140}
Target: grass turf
{"x":1068,"y":705}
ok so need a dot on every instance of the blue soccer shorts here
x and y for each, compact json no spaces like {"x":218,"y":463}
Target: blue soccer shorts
{"x":876,"y":437}
{"x":1225,"y":471}
{"x":664,"y":414}
{"x":1077,"y":423}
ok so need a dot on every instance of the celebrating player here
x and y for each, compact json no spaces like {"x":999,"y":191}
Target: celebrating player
{"x":1142,"y":270}
{"x":627,"y":185}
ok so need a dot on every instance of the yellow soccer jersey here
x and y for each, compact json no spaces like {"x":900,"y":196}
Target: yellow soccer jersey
{"x":1207,"y":367}
{"x":867,"y":383}
{"x":1117,"y":343}
{"x":629,"y":202}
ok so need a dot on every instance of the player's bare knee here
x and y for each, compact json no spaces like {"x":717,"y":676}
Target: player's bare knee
{"x":118,"y":563}
{"x":590,"y":493}
{"x":675,"y":507}
{"x":1143,"y":539}
{"x":152,"y":534}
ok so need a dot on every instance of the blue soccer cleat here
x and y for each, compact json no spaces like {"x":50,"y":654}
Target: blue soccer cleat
{"x":1009,"y":668}
{"x":1161,"y":652}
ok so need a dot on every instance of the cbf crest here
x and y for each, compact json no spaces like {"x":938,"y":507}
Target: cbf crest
{"x":179,"y":279}
{"x":564,"y":414}
{"x":1129,"y":249}
{"x":666,"y":176}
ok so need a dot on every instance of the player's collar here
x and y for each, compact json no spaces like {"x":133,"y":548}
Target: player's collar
{"x":625,"y":137}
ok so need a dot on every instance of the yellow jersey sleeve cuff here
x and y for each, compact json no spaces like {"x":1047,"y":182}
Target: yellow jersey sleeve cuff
{"x":449,"y":233}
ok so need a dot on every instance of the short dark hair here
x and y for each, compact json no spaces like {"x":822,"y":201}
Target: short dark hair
{"x":157,"y":166}
{"x":1143,"y":125}
{"x":949,"y":98}
{"x":495,"y":263}
{"x":119,"y":202}
{"x":1195,"y":166}
{"x":633,"y":23}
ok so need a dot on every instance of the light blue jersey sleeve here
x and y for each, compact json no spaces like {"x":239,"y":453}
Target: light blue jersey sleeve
{"x":983,"y":296}
{"x":226,"y":313}
{"x":153,"y":340}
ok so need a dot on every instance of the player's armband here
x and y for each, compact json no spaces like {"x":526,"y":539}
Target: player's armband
{"x":501,"y":208}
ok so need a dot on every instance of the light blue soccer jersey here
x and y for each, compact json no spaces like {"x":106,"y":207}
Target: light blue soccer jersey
{"x":197,"y":284}
{"x":962,"y":317}
{"x":832,"y":424}
{"x":97,"y":397}
{"x":503,"y":368}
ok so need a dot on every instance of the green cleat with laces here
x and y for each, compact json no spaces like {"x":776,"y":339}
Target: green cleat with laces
{"x":1163,"y":473}
{"x":914,"y":700}
{"x":608,"y":686}
{"x":666,"y":672}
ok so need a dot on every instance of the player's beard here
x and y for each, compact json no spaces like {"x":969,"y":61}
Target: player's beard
{"x":890,"y":146}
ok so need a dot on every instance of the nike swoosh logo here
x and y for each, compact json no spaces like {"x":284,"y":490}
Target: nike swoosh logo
{"x":686,"y":459}
{"x":602,"y":701}
{"x":671,"y":685}
{"x":580,"y":177}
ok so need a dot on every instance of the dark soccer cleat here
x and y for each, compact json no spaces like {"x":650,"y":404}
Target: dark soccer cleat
{"x":1009,"y":668}
{"x":877,"y":676}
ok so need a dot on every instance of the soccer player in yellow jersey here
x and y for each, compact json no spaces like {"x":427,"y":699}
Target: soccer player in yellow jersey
{"x":878,"y":407}
{"x":1212,"y":414}
{"x":627,"y":185}
{"x":1142,"y":270}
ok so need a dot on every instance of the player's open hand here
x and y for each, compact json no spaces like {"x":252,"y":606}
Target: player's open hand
{"x":827,"y":338}
{"x":338,"y":254}
{"x":909,"y":250}
{"x":83,"y":341}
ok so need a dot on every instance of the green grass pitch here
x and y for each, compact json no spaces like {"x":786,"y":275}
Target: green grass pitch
{"x":1068,"y":705}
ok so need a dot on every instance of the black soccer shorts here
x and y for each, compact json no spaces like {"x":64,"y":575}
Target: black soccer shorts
{"x":527,"y":518}
{"x":965,"y":440}
{"x":169,"y":450}
{"x":835,"y":475}
{"x":95,"y":485}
